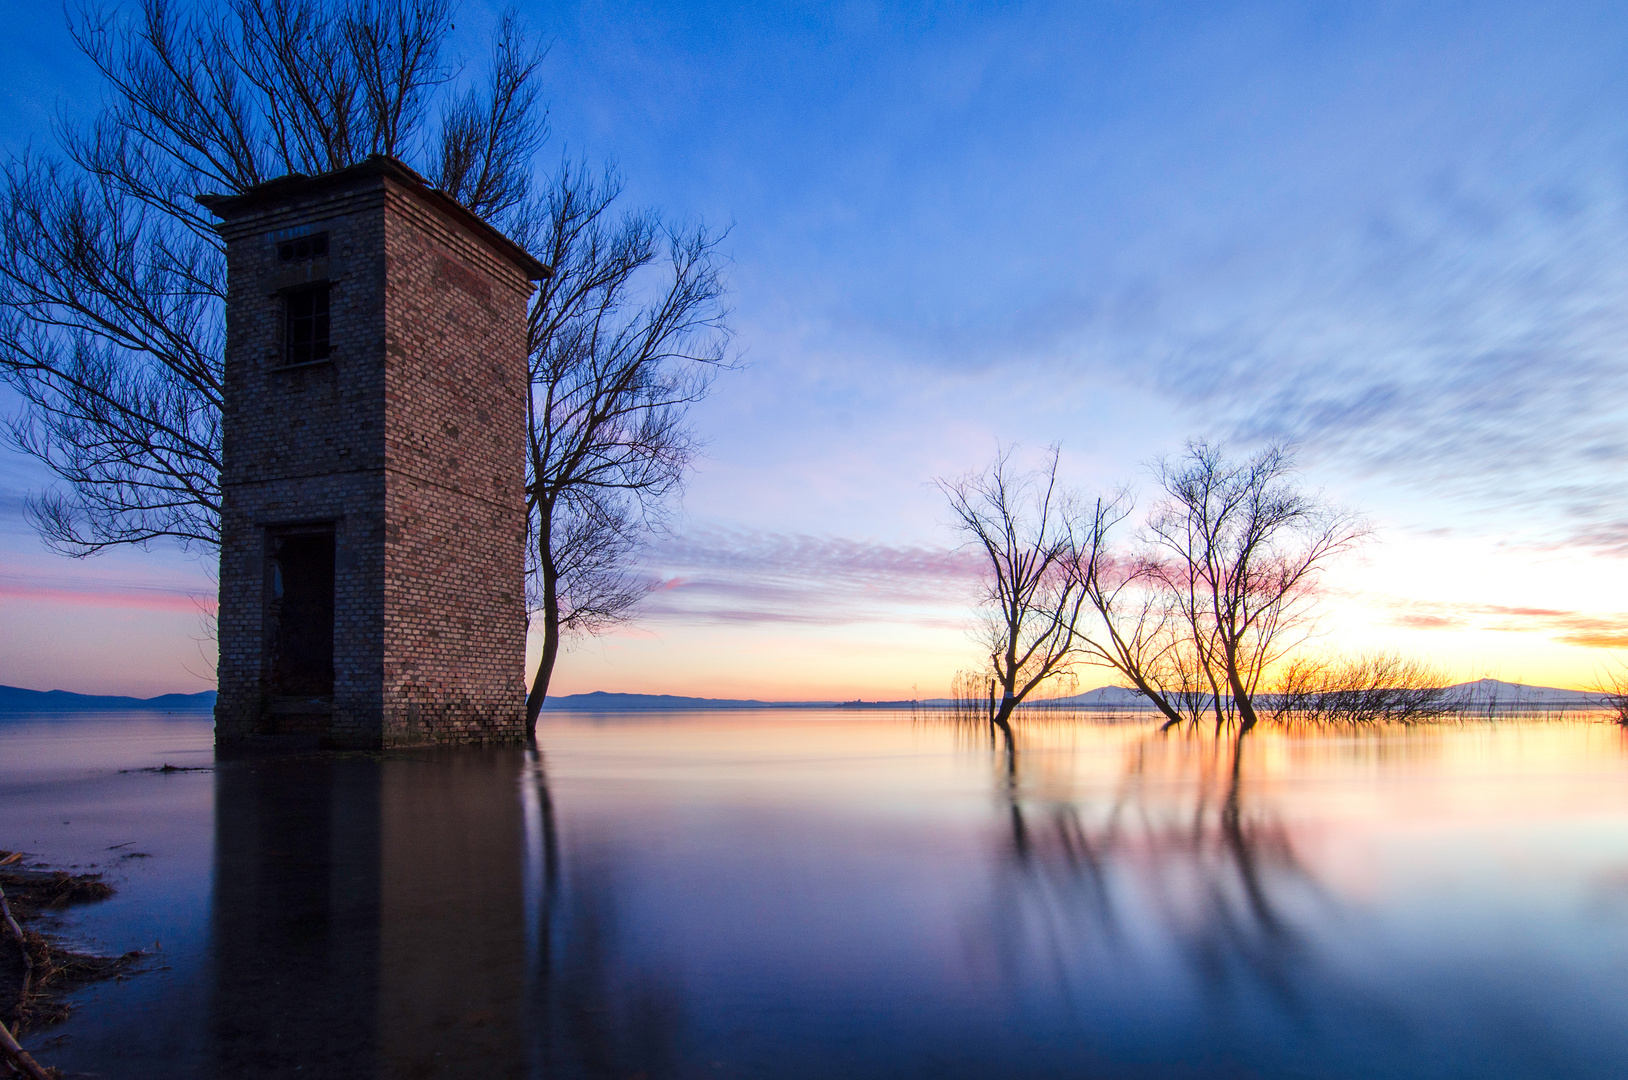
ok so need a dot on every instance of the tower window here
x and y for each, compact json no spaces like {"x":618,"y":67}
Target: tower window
{"x":301,"y":248}
{"x":307,"y":330}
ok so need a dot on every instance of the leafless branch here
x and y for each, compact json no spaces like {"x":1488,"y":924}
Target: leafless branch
{"x":625,"y":336}
{"x":1025,"y":526}
{"x":112,"y":284}
{"x":1239,"y":547}
{"x":1612,"y":688}
{"x":1379,"y":687}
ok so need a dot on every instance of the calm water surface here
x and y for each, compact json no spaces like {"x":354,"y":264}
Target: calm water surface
{"x":824,"y":894}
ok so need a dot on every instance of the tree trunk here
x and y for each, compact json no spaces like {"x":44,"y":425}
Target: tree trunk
{"x":1172,"y":717}
{"x":1246,"y":709}
{"x":551,"y":645}
{"x":1003,"y":715}
{"x":1246,"y":706}
{"x":20,"y":1059}
{"x":1215,"y":698}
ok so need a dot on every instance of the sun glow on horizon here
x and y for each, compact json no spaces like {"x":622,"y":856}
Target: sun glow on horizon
{"x":1396,"y":239}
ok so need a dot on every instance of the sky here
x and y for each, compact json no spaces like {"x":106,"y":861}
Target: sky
{"x":1393,"y":234}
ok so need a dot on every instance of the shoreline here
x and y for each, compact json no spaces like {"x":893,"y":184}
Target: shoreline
{"x":37,"y":970}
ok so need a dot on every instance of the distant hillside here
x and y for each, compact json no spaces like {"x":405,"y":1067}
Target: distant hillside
{"x":600,"y":701}
{"x":1481,"y":694}
{"x":14,"y":699}
{"x":1486,"y":694}
{"x":1103,"y":697}
{"x":1494,"y":693}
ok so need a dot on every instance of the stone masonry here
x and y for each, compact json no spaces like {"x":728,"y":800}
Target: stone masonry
{"x":374,"y":449}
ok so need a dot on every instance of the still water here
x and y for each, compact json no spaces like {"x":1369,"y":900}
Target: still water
{"x":787,"y":894}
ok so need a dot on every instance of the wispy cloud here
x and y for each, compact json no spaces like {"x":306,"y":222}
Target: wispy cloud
{"x":1589,"y":629}
{"x":1469,"y":346}
{"x":735,"y":576}
{"x":88,"y":591}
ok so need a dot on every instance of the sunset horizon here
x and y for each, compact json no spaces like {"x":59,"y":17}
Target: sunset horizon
{"x":614,"y":541}
{"x":1220,"y":227}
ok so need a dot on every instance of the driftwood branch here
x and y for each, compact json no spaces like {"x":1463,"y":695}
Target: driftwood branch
{"x":21,"y":1059}
{"x":22,"y":944}
{"x":47,"y":972}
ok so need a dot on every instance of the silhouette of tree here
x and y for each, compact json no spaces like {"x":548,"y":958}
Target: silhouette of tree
{"x":113,"y":278}
{"x":624,"y":337}
{"x":1216,"y":589}
{"x":1038,"y":560}
{"x":1137,"y":630}
{"x":1611,"y":686}
{"x":1238,"y":548}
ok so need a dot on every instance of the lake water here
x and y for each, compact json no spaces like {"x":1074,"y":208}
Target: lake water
{"x":813,"y":894}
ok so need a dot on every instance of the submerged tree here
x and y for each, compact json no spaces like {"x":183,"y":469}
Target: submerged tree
{"x":113,"y":278}
{"x":1238,"y":548}
{"x":1215,"y":589}
{"x":1611,"y":688}
{"x":1136,"y":630}
{"x":624,"y":336}
{"x":1367,"y":688}
{"x":1027,"y":528}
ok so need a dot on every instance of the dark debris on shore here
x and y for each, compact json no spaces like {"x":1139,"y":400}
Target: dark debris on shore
{"x":37,"y":971}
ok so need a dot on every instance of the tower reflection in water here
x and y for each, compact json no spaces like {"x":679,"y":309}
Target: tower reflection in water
{"x":405,"y":915}
{"x":1092,"y":900}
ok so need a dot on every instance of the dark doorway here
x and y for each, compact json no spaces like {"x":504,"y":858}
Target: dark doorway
{"x":300,"y":609}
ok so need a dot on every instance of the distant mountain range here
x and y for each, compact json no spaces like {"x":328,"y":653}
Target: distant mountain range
{"x":14,"y":699}
{"x":1103,"y":697}
{"x":1483,"y":693}
{"x":600,"y":701}
{"x":1497,"y":692}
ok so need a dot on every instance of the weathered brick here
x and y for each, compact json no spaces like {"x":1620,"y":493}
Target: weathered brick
{"x":409,"y":440}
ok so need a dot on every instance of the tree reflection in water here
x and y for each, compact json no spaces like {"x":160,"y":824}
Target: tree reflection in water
{"x":1172,"y":877}
{"x":1090,"y":900}
{"x":598,"y":1012}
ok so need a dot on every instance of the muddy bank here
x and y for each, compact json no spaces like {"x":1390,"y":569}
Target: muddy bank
{"x":37,"y":971}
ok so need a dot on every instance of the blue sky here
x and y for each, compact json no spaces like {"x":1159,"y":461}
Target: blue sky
{"x":1396,"y":233}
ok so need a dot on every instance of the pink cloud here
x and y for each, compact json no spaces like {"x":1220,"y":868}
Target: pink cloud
{"x":1589,"y":629}
{"x":1427,"y":622}
{"x":92,"y":593}
{"x":743,"y":576}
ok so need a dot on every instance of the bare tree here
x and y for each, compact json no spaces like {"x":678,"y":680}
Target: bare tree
{"x":1027,"y":529}
{"x":1192,"y":616}
{"x":112,"y":288}
{"x":112,"y":280}
{"x":1136,"y":631}
{"x":1379,"y":687}
{"x":1611,"y":686}
{"x":1239,"y":547}
{"x":625,"y":336}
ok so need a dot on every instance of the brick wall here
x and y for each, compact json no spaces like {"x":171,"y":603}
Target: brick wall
{"x":409,"y":440}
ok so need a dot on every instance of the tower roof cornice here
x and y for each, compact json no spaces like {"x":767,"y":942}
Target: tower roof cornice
{"x":297,"y":187}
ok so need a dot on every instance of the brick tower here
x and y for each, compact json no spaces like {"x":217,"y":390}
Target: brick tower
{"x":373,"y":514}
